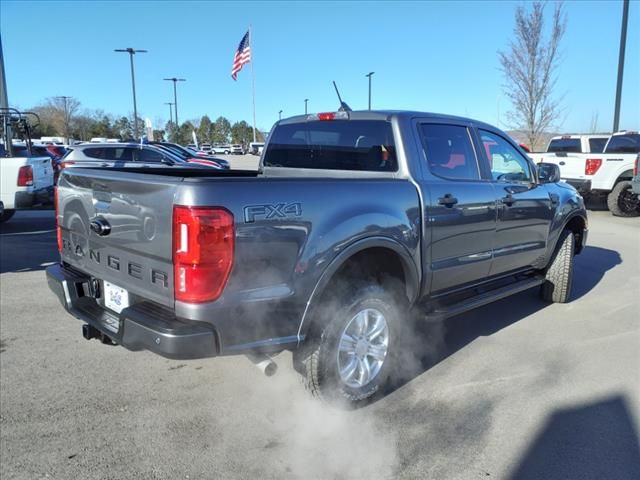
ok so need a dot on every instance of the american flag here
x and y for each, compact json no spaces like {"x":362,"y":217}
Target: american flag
{"x":242,"y":56}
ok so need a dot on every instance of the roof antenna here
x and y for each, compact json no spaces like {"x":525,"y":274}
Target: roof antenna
{"x":343,"y":106}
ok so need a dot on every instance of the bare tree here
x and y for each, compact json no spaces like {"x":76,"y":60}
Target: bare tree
{"x":54,"y":113}
{"x":529,"y":67}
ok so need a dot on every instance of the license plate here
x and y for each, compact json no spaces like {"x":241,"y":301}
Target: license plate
{"x":115,"y":298}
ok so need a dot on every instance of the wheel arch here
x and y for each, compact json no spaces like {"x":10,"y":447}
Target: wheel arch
{"x":371,"y":256}
{"x":577,"y":223}
{"x":625,"y":175}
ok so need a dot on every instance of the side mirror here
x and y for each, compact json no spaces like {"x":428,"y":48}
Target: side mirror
{"x":548,"y":173}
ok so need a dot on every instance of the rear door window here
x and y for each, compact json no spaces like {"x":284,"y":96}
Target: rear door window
{"x":148,"y":155}
{"x":97,"y":152}
{"x":121,"y":154}
{"x":449,"y":151}
{"x":365,"y":145}
{"x":628,"y":143}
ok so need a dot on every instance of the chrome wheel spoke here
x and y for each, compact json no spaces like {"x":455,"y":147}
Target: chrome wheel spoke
{"x":350,"y":368}
{"x":347,"y":343}
{"x":362,"y":348}
{"x":377,"y":327}
{"x":378,"y":352}
{"x":365,"y":371}
{"x":361,"y":322}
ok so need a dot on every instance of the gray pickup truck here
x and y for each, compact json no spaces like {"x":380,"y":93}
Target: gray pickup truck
{"x":354,"y":222}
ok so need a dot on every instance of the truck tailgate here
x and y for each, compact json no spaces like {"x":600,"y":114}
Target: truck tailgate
{"x":118,"y":230}
{"x":571,"y":165}
{"x":42,"y":172}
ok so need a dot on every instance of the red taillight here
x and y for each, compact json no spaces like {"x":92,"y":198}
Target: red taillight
{"x":592,"y":165}
{"x":66,"y":164}
{"x":203,"y":247}
{"x":25,"y":176}
{"x":58,"y":230}
{"x":326,"y":116}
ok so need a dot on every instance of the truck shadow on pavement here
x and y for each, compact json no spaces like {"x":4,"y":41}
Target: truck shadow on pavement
{"x":597,"y":440}
{"x":28,"y":243}
{"x":435,"y":342}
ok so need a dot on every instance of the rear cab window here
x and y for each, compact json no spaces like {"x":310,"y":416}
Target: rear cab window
{"x":361,"y":145}
{"x":567,"y":145}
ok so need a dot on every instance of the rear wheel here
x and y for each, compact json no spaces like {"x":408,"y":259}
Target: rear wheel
{"x":559,"y":275}
{"x":351,"y":360}
{"x":622,"y":202}
{"x":6,"y":215}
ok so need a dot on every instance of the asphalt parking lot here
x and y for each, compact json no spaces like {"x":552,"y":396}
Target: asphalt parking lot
{"x":518,"y":389}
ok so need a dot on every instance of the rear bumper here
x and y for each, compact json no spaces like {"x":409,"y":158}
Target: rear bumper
{"x":635,"y":185}
{"x":582,"y":186}
{"x":43,"y":196}
{"x":143,"y":326}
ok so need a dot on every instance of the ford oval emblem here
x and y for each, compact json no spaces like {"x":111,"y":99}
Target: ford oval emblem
{"x":100,"y":226}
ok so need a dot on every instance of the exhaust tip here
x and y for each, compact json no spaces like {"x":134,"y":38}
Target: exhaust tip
{"x":264,"y":363}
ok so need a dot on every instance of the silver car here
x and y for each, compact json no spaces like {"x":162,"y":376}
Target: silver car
{"x":118,"y":155}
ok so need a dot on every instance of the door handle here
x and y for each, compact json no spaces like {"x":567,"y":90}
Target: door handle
{"x":448,"y":200}
{"x":508,"y":200}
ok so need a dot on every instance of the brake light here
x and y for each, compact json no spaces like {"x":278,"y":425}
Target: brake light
{"x":203,"y":249}
{"x":66,"y":164}
{"x":25,"y":176}
{"x":592,"y":165}
{"x":58,"y":229}
{"x":326,"y":116}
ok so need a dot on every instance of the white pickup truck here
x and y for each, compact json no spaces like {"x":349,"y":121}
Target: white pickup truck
{"x":608,"y":173}
{"x":577,"y":144}
{"x":26,"y":180}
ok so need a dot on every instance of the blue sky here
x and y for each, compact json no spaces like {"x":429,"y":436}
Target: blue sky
{"x":430,"y":56}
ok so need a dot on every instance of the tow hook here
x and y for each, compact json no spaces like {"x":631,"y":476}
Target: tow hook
{"x":89,"y":332}
{"x":264,"y":363}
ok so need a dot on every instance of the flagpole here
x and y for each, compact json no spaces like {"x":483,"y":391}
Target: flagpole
{"x":253,"y":83}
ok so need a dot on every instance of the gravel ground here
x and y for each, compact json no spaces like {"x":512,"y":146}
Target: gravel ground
{"x":518,"y":389}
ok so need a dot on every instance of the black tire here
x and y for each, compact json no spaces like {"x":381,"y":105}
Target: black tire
{"x":6,"y":215}
{"x":559,"y":275}
{"x":622,"y":202}
{"x":320,"y":361}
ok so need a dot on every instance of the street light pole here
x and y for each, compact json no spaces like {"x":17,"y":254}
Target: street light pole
{"x":170,"y":111}
{"x":175,"y":95}
{"x":280,"y":115}
{"x":623,"y":45}
{"x":305,"y":105}
{"x":66,"y":118}
{"x":132,"y":52}
{"x":369,"y":75}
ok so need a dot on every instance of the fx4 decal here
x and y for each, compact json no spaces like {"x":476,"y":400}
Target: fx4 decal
{"x":271,"y":211}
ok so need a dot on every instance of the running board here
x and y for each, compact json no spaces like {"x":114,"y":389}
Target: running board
{"x":442,"y":313}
